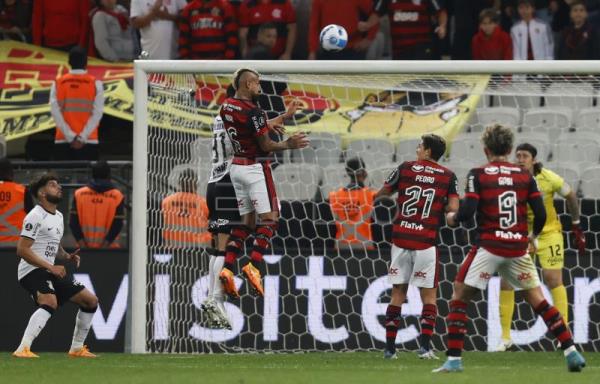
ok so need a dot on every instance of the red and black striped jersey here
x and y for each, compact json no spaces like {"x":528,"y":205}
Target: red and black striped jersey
{"x":424,"y":188}
{"x":244,"y":122}
{"x":503,"y":191}
{"x":411,"y":22}
{"x":207,"y":30}
{"x":281,"y":13}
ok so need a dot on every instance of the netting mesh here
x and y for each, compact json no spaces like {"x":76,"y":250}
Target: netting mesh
{"x":319,"y":297}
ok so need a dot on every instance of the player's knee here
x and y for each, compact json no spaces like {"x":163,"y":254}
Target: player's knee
{"x":553,"y":279}
{"x":90,"y":304}
{"x":47,"y":301}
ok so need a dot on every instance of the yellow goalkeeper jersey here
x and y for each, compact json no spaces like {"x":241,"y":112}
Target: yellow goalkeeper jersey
{"x":549,"y":183}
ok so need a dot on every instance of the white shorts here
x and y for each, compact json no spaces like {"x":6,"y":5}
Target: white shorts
{"x":414,"y":267}
{"x":480,"y":265}
{"x":254,"y":188}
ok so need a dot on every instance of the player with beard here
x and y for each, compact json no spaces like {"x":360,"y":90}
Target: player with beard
{"x":248,"y":129}
{"x":50,"y":285}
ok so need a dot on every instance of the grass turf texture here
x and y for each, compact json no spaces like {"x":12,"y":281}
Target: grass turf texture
{"x":359,"y":367}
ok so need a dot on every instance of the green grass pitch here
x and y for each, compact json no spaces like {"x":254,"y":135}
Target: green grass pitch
{"x":358,"y":367}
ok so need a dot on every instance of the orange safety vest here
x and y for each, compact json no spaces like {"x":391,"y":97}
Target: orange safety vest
{"x":352,"y":210}
{"x":12,"y":212}
{"x":76,"y":93}
{"x":185,"y":218}
{"x":96,"y":212}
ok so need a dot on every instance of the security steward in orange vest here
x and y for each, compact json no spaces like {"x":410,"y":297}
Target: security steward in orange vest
{"x":352,"y":207}
{"x":97,"y":212}
{"x":185,"y":215}
{"x":77,"y":104}
{"x":15,"y":203}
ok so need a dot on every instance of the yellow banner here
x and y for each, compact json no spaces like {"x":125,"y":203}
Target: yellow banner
{"x":189,"y":102}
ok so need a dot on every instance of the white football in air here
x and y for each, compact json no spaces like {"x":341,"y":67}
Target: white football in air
{"x":333,"y":37}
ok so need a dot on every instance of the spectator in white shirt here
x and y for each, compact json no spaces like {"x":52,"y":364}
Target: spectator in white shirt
{"x":113,"y":36}
{"x":156,"y":20}
{"x":532,"y":38}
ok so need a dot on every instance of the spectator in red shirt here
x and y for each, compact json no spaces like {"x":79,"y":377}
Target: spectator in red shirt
{"x":411,"y":26}
{"x":15,"y":18}
{"x":207,"y":30}
{"x":61,"y":24}
{"x":281,"y":13}
{"x":491,"y":42}
{"x":346,"y":13}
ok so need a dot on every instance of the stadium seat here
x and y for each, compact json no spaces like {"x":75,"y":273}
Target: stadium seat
{"x":461,"y":169}
{"x":202,"y":151}
{"x":568,"y":172}
{"x":523,"y":95}
{"x":334,"y":177}
{"x":324,"y":152}
{"x":590,"y":179}
{"x":580,"y":151}
{"x":173,"y":178}
{"x":378,"y":176}
{"x":554,"y":121}
{"x":588,"y":119}
{"x":313,"y":136}
{"x":469,"y":150}
{"x":503,"y":115}
{"x":539,"y":141}
{"x":562,"y":94}
{"x":297,"y":181}
{"x":577,"y":137}
{"x":374,"y":152}
{"x":406,"y":149}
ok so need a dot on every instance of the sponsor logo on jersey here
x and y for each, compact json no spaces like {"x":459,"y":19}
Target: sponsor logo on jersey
{"x":28,"y":227}
{"x":413,"y":226}
{"x":491,"y":170}
{"x":507,"y":235}
{"x":417,"y":168}
{"x":276,"y":13}
{"x":402,"y":16}
{"x":393,"y":271}
{"x":485,"y":276}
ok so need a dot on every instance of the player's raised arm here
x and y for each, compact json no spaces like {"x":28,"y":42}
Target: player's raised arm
{"x":468,"y":207}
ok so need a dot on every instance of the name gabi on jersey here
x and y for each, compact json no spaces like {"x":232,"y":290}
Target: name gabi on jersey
{"x":406,"y":16}
{"x":507,"y":235}
{"x":413,"y":226}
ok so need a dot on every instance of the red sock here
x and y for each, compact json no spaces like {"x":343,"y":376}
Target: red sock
{"x":457,"y":327}
{"x":262,"y":241}
{"x":555,"y":323}
{"x":392,"y":322}
{"x":237,"y":238}
{"x":428,"y":316}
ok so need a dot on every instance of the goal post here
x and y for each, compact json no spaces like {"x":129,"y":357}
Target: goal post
{"x":165,"y":139}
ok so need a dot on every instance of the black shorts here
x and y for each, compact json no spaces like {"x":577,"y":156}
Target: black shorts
{"x":222,"y":203}
{"x":42,"y":281}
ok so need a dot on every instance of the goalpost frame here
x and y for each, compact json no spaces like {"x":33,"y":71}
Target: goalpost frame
{"x":138,"y":256}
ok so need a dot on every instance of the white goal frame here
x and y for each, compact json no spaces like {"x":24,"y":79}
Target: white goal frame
{"x":137,"y":324}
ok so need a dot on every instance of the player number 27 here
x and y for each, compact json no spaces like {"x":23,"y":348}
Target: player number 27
{"x":416,"y":193}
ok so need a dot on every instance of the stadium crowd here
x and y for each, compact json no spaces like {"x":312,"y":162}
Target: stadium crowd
{"x":119,"y":30}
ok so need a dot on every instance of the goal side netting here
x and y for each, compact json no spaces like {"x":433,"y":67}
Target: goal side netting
{"x":319,"y":294}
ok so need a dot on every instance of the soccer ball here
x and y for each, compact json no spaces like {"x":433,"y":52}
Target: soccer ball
{"x":333,"y":37}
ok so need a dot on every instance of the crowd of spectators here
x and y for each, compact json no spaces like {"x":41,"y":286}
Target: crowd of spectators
{"x":120,"y":30}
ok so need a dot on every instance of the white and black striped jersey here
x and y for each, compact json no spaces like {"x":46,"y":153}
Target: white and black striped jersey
{"x":222,"y":151}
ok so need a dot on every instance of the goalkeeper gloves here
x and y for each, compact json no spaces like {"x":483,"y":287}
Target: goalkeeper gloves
{"x":579,"y":238}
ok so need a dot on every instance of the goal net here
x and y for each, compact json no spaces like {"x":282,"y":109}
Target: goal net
{"x":320,"y":294}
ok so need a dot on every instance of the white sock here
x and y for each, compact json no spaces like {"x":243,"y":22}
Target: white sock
{"x":82,"y":327}
{"x":211,"y":277}
{"x":217,"y":286}
{"x":569,"y":350}
{"x":454,"y":358}
{"x":37,"y":322}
